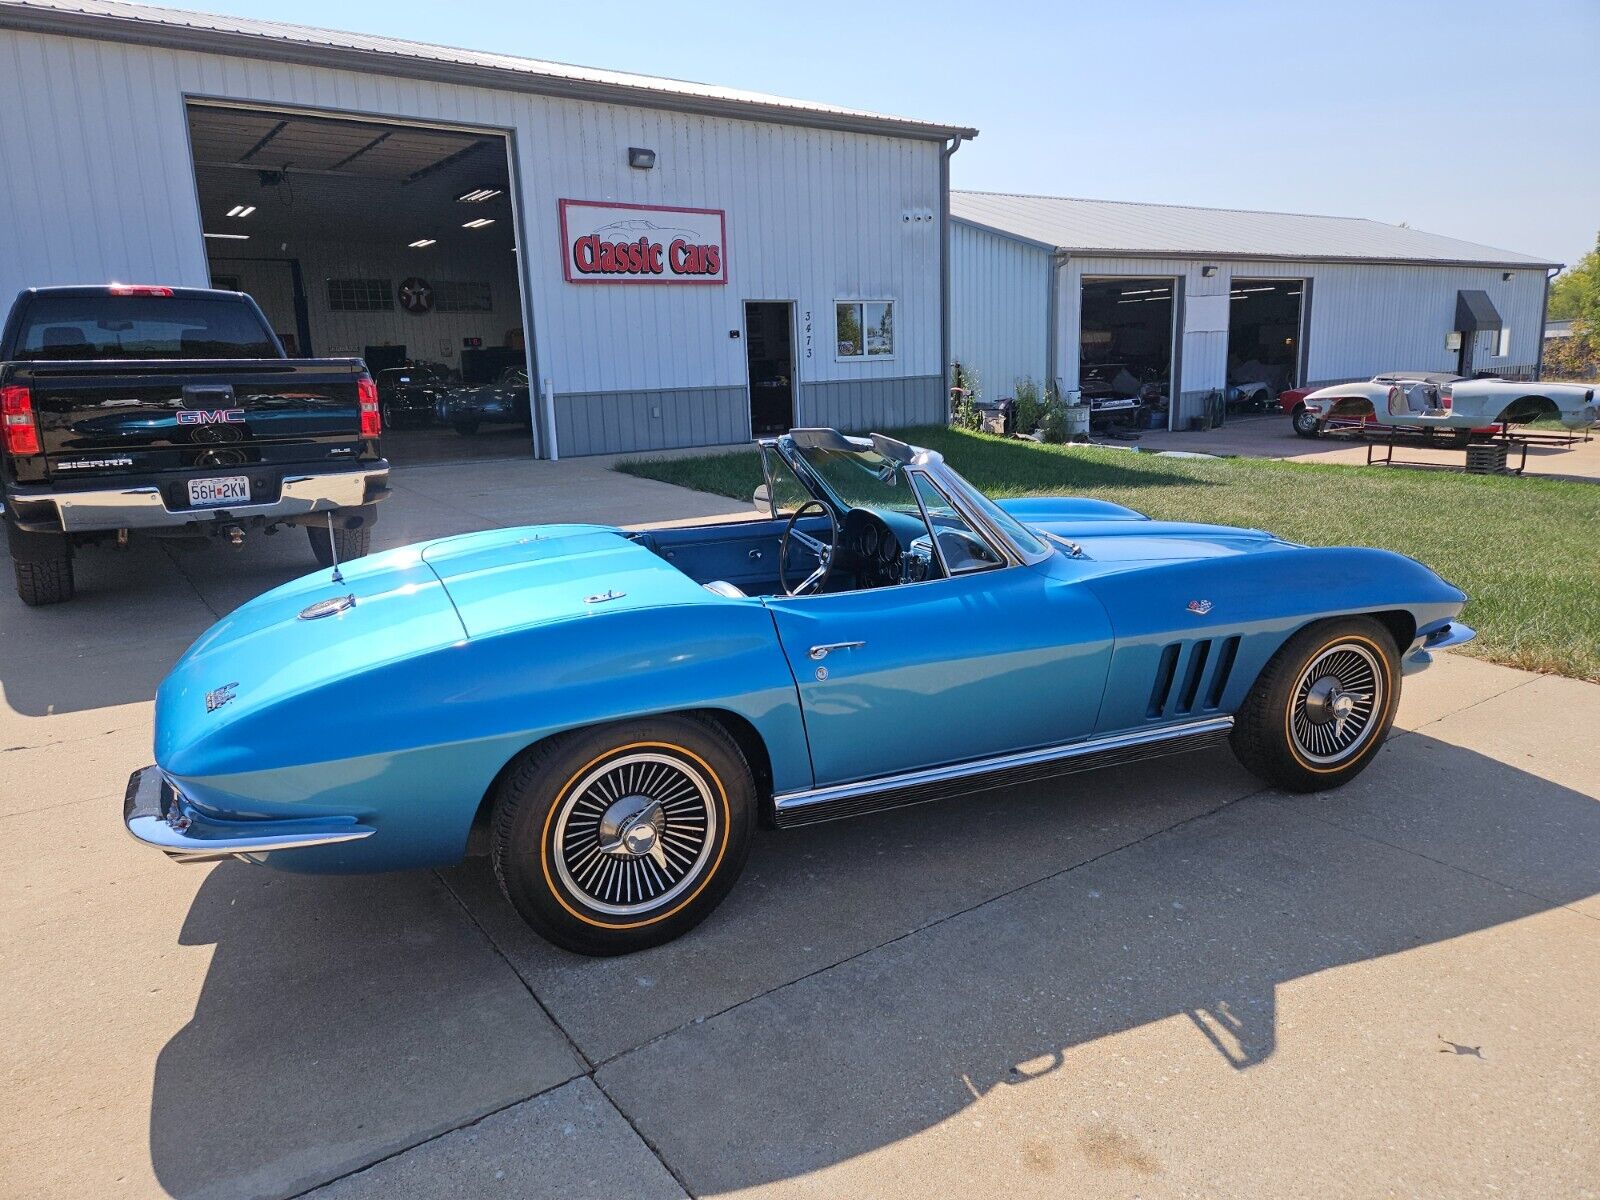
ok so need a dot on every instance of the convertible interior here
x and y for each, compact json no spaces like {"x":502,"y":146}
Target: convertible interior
{"x":869,"y":548}
{"x":850,"y":514}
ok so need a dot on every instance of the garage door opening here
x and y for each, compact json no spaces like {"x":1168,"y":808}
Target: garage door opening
{"x":1265,"y":340}
{"x":1125,"y":353}
{"x":388,"y":242}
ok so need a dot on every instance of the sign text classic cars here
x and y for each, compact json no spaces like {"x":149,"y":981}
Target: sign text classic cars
{"x":642,"y":243}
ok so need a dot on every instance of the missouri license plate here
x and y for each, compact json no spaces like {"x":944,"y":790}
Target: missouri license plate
{"x":228,"y":489}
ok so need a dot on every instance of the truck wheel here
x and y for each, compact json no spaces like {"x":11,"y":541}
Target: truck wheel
{"x":43,"y":564}
{"x":1321,"y":707}
{"x":1306,"y":423}
{"x":351,"y":543}
{"x":613,"y":839}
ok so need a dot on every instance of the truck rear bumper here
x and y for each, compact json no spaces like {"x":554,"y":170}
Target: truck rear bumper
{"x":144,"y":507}
{"x":157,"y":816}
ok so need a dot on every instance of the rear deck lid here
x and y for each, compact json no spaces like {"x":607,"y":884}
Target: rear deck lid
{"x":508,"y":578}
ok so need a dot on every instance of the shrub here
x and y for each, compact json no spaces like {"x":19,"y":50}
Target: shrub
{"x":1053,"y":416}
{"x":1029,"y":408}
{"x":964,"y":394}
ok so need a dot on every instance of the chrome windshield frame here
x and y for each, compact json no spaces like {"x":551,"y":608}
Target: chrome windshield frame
{"x":911,"y":459}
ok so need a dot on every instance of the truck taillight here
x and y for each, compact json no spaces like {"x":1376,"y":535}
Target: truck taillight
{"x":1445,"y":399}
{"x":371,"y":420}
{"x":138,"y":289}
{"x":16,"y":411}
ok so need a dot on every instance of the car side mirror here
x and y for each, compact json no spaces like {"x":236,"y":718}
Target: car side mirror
{"x":763,"y":501}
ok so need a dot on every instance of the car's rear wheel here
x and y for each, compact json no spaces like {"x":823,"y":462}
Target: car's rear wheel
{"x":625,"y":836}
{"x":1322,"y":706}
{"x":1306,"y":423}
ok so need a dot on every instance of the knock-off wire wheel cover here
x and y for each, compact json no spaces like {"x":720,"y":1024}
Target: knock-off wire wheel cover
{"x":634,"y":833}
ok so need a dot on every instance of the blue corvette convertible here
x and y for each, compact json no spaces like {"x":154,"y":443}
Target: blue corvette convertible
{"x":610,"y":713}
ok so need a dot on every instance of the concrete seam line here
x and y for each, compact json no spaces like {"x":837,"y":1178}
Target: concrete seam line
{"x":1456,"y":712}
{"x":643,"y":1137}
{"x":443,"y":1133}
{"x":1471,"y":874}
{"x":187,"y":578}
{"x":937,"y":921}
{"x":588,"y":1065}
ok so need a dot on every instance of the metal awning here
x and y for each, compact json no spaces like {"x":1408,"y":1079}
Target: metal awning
{"x":1476,"y":313}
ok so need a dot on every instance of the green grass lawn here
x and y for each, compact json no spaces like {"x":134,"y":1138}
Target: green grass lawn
{"x":1524,"y":549}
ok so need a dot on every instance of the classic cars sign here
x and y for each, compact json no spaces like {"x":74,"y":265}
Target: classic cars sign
{"x":642,"y":243}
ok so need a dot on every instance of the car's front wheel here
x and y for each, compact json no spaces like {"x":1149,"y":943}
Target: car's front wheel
{"x":625,"y":836}
{"x":1306,"y":423}
{"x":1322,"y":706}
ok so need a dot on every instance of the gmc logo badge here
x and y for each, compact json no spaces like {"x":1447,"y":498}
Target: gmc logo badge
{"x":211,"y":416}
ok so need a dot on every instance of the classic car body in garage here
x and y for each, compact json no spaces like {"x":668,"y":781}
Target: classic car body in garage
{"x":611,"y":712}
{"x":1420,"y":401}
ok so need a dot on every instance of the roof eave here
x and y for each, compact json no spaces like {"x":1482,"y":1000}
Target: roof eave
{"x":1240,"y":256}
{"x":110,"y":27}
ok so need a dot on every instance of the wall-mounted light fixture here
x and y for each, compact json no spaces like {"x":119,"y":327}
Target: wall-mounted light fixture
{"x":641,"y":159}
{"x":1208,"y":272}
{"x":1505,"y":276}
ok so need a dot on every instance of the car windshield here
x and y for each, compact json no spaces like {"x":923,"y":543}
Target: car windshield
{"x":860,"y":477}
{"x":856,"y":477}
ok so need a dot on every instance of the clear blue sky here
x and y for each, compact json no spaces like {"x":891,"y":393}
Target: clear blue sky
{"x":1480,"y":120}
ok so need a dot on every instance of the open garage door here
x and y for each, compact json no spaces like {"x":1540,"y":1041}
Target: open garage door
{"x":1126,"y":349}
{"x":1266,"y":340}
{"x":389,"y":242}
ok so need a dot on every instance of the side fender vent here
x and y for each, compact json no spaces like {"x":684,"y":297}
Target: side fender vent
{"x":1165,"y":670}
{"x":1219,"y":677}
{"x":1191,"y":677}
{"x":1178,"y":692}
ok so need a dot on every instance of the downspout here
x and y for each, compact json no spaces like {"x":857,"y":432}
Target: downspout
{"x":944,"y":267}
{"x":1544,"y":316}
{"x":1052,"y":344}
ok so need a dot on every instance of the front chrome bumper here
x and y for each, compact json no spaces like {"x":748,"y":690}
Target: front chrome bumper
{"x":157,"y":815}
{"x":146,"y":508}
{"x":1421,"y":653}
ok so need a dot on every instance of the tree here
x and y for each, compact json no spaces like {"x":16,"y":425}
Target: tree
{"x":1575,"y":297}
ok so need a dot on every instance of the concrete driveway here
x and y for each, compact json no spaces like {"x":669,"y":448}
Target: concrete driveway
{"x":1161,"y":980}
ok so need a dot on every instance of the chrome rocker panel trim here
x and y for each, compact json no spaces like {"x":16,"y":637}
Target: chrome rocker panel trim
{"x":1452,"y":634}
{"x":144,"y":507}
{"x":794,"y":809}
{"x":156,"y":815}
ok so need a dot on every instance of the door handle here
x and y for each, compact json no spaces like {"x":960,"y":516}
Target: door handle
{"x":821,"y":652}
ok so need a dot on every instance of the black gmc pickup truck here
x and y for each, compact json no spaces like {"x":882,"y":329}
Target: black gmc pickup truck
{"x":174,"y":412}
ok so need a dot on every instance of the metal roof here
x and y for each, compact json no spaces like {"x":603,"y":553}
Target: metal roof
{"x":280,"y":42}
{"x":1115,"y":227}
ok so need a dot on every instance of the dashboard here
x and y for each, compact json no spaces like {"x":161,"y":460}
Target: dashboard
{"x":881,"y":555}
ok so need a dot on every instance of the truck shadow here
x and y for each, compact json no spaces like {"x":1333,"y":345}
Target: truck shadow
{"x":343,"y":1020}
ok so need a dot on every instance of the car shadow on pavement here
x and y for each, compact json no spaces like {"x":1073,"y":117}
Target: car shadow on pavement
{"x":344,"y":1019}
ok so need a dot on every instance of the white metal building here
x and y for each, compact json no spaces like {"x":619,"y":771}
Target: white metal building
{"x":1192,"y":298}
{"x":671,"y":264}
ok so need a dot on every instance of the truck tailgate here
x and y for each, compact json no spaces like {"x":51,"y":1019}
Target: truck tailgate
{"x":116,"y":416}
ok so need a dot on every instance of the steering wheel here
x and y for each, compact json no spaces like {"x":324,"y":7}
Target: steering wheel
{"x":823,"y":550}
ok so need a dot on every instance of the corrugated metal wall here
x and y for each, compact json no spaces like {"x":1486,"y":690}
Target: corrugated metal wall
{"x":1365,"y":317}
{"x":999,"y":297}
{"x":100,"y":185}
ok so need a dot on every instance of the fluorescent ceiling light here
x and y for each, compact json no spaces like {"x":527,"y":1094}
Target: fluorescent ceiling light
{"x":478,"y":195}
{"x":1291,"y":293}
{"x":231,"y":237}
{"x":479,"y":223}
{"x":1269,"y":288}
{"x":421,"y":242}
{"x":241,"y":210}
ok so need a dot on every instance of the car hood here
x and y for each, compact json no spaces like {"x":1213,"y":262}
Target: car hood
{"x":1112,"y":537}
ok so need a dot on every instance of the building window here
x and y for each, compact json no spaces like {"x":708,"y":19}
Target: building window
{"x":864,"y":328}
{"x":1504,"y":349}
{"x":360,"y":295}
{"x":454,"y":296}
